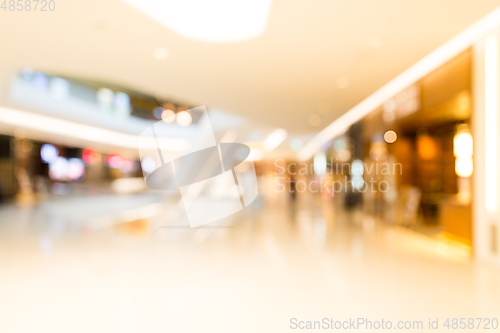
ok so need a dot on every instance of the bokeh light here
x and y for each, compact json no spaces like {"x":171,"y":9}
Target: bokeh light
{"x":157,"y":112}
{"x":184,"y":118}
{"x":127,"y":166}
{"x":296,"y":144}
{"x":115,"y":161}
{"x":390,"y":136}
{"x":148,"y":164}
{"x":89,"y":156}
{"x":48,"y":153}
{"x":168,"y":116}
{"x":76,"y":169}
{"x":58,"y":169}
{"x":105,"y":97}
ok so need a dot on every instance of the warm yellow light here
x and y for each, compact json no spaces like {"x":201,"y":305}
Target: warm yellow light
{"x":390,"y":136}
{"x":168,"y":116}
{"x":462,"y":145}
{"x":427,"y":148}
{"x":463,"y":151}
{"x":463,"y":167}
{"x":184,"y":118}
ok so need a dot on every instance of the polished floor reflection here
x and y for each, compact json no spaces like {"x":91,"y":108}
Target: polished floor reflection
{"x":66,"y":268}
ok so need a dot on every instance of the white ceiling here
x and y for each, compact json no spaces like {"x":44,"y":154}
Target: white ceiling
{"x":281,"y":78}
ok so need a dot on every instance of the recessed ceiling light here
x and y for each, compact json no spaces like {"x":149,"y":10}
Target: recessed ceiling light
{"x":209,"y":21}
{"x":160,"y":53}
{"x":342,"y":82}
{"x":314,"y":120}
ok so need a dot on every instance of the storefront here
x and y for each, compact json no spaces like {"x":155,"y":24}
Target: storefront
{"x":426,"y":130}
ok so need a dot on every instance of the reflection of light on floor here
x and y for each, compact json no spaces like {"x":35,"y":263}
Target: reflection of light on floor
{"x":441,"y":248}
{"x":136,"y":228}
{"x":126,"y":216}
{"x":419,"y":244}
{"x":357,"y":249}
{"x":368,"y":223}
{"x":45,"y":244}
{"x":450,"y":244}
{"x":266,"y":269}
{"x":201,"y":234}
{"x":320,"y":231}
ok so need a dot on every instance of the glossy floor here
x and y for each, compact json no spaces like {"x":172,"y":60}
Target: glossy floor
{"x":276,"y":261}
